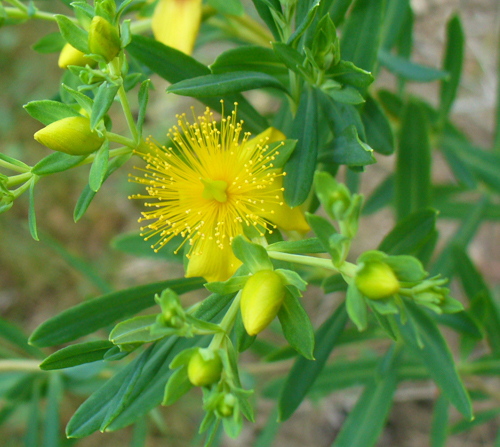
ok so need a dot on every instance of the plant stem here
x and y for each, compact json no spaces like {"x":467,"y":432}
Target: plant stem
{"x":347,"y":268}
{"x":17,"y":179}
{"x":121,"y":140}
{"x":227,"y":322}
{"x":15,"y":13}
{"x":140,"y":26}
{"x":12,"y":167}
{"x":20,"y":365}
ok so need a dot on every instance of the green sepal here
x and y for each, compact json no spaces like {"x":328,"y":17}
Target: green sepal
{"x":386,"y":306}
{"x":407,"y":268}
{"x":178,"y":384}
{"x":182,"y":358}
{"x":73,"y":34}
{"x":297,"y":327}
{"x":134,"y":330}
{"x":48,"y":112}
{"x":254,"y":256}
{"x":292,"y":278}
{"x":232,"y":285}
{"x":356,"y":307}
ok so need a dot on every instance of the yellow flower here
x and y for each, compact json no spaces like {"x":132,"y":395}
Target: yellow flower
{"x":211,"y":185}
{"x":176,"y":23}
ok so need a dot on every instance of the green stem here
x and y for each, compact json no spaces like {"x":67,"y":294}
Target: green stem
{"x":347,"y":268}
{"x":12,"y":167}
{"x":19,"y":365}
{"x":18,"y":5}
{"x":121,"y":140}
{"x":17,"y":179}
{"x":114,"y":69}
{"x":23,"y":188}
{"x":227,"y":322}
{"x":15,"y":13}
{"x":140,"y":26}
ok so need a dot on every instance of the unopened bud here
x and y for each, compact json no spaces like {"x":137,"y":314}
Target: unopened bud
{"x":70,"y":135}
{"x":204,"y":368}
{"x":261,"y":300}
{"x":376,"y":280}
{"x":71,"y":56}
{"x":104,"y":39}
{"x":225,"y":407}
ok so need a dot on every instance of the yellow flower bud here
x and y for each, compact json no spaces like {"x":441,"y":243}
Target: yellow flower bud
{"x":204,"y":367}
{"x":71,"y":56}
{"x":261,"y":300}
{"x":376,"y":280}
{"x":104,"y":39}
{"x":70,"y":135}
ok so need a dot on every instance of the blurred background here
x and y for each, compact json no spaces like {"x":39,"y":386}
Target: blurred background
{"x":40,"y":279}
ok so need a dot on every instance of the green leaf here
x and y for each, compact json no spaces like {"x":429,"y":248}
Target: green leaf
{"x":135,"y":330}
{"x":302,"y":163}
{"x":303,"y":246}
{"x":297,"y":327}
{"x":224,"y":84}
{"x":356,"y":307}
{"x":177,"y":386}
{"x":481,"y":417}
{"x":231,"y":7}
{"x":409,"y":70}
{"x":121,"y":398}
{"x":87,"y":317}
{"x":340,"y":116}
{"x":83,"y":100}
{"x":51,"y":434}
{"x":346,"y":95}
{"x":395,"y":16}
{"x":88,"y":195}
{"x":12,"y":334}
{"x":47,"y":111}
{"x":439,"y":429}
{"x":304,"y":372}
{"x":292,"y":278}
{"x":99,"y":167}
{"x":484,"y":306}
{"x":148,"y":390}
{"x":453,"y":62}
{"x":412,"y":179}
{"x":377,"y":127}
{"x":175,"y":66}
{"x":381,"y":197}
{"x":102,"y":102}
{"x":57,"y":162}
{"x":347,"y":73}
{"x":249,"y":58}
{"x":348,"y":149}
{"x":73,"y":34}
{"x":462,"y":172}
{"x":50,"y":43}
{"x":134,"y":244}
{"x":264,"y":8}
{"x":367,"y":419}
{"x":362,"y":32}
{"x":437,"y":357}
{"x":88,"y":352}
{"x":143,"y":102}
{"x":285,"y":150}
{"x":308,"y":18}
{"x":254,"y":256}
{"x":288,"y":55}
{"x":242,"y":340}
{"x":31,"y":212}
{"x":33,"y":416}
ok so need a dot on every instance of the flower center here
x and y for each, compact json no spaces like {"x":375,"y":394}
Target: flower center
{"x":214,"y":190}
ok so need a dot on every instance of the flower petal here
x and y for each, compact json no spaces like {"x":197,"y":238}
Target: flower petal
{"x":271,"y":133}
{"x":214,"y":263}
{"x":288,"y":219}
{"x":176,"y":23}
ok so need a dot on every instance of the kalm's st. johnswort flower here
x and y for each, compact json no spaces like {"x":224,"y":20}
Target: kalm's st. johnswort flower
{"x":176,"y":23}
{"x":209,"y":186}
